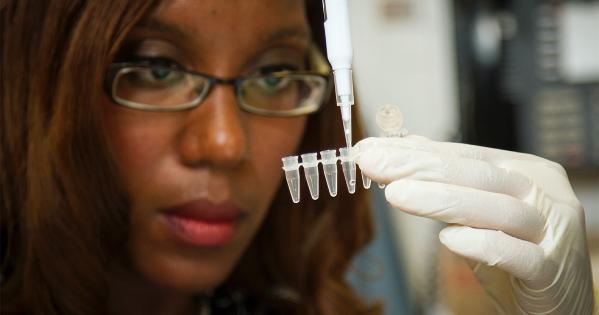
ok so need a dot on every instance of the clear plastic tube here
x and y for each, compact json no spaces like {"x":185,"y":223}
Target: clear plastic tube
{"x":349,"y":168}
{"x":291,"y":168}
{"x":310,"y":163}
{"x":390,"y":121}
{"x":365,"y":180}
{"x":329,"y":166}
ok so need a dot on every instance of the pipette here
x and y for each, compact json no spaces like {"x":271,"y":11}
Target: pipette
{"x":340,"y":54}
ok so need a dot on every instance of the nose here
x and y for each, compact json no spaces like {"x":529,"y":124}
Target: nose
{"x":214,"y":132}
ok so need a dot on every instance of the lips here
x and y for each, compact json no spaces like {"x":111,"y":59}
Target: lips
{"x":203,"y":223}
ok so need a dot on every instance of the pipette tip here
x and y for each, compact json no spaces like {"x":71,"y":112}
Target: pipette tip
{"x":347,"y":131}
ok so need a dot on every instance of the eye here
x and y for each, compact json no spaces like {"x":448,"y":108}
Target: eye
{"x":155,"y":77}
{"x":272,"y":83}
{"x":161,"y":74}
{"x":274,"y":78}
{"x":154,"y":72}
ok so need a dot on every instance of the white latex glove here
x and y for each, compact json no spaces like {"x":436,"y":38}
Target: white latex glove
{"x":515,"y":217}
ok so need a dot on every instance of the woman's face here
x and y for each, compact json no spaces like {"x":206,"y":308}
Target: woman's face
{"x":200,"y":181}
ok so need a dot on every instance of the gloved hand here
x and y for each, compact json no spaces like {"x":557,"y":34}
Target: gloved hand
{"x":514,"y":216}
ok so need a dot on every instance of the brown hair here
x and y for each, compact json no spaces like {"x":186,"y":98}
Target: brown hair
{"x":53,"y":209}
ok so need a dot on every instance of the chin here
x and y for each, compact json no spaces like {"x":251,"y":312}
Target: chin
{"x":184,"y":274}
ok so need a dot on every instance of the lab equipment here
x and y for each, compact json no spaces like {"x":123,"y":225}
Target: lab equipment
{"x":389,"y":120}
{"x":291,"y":167}
{"x":329,"y":160}
{"x":529,"y":77}
{"x":348,"y":165}
{"x":329,"y":165}
{"x":365,"y":180}
{"x":310,"y":163}
{"x":340,"y":54}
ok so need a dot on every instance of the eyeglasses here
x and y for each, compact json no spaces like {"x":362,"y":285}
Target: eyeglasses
{"x":150,"y":87}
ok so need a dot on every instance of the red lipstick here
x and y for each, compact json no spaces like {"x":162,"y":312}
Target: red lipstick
{"x":203,"y":223}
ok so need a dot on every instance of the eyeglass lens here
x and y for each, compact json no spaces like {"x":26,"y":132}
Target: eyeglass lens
{"x":163,"y":87}
{"x":160,"y":87}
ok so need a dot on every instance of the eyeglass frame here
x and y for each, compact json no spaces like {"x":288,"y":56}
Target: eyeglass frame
{"x":316,"y":60}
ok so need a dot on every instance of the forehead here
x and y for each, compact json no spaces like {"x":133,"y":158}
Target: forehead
{"x":231,"y":20}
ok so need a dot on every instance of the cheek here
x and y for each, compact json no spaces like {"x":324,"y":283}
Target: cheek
{"x":138,"y":143}
{"x":143,"y":145}
{"x":145,"y":150}
{"x":271,"y":140}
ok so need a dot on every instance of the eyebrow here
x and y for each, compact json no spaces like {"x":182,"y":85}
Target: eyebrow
{"x":290,"y":32}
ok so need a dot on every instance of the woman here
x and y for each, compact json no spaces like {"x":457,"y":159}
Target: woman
{"x":141,"y":146}
{"x":108,"y":207}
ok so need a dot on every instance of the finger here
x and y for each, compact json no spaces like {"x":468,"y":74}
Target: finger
{"x":522,"y":259}
{"x":387,"y":164}
{"x":467,"y":206}
{"x":447,"y":148}
{"x":546,"y":173}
